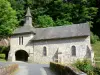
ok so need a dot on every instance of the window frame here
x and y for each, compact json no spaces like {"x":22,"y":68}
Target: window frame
{"x":44,"y":51}
{"x":20,"y":40}
{"x":73,"y":50}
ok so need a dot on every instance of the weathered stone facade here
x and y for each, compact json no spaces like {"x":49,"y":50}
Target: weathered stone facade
{"x":14,"y":45}
{"x":63,"y":46}
{"x":57,"y":48}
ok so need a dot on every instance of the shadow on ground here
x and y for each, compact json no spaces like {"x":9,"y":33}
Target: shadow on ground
{"x":49,"y":71}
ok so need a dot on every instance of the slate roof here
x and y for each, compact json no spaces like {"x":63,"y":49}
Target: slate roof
{"x":24,"y":29}
{"x":59,"y":32}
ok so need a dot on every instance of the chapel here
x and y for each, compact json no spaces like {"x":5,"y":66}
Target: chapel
{"x":63,"y":44}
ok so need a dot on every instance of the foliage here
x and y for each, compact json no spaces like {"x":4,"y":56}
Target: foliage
{"x":8,"y":18}
{"x":96,"y":20}
{"x":3,"y":60}
{"x":94,"y":38}
{"x":76,"y":11}
{"x":96,"y":70}
{"x":84,"y":65}
{"x":62,"y":22}
{"x":2,"y":56}
{"x":3,"y":49}
{"x":87,"y":67}
{"x":96,"y":49}
{"x":45,"y":21}
{"x":19,"y":6}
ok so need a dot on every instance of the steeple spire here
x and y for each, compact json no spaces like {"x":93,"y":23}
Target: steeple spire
{"x":28,"y":18}
{"x":28,"y":14}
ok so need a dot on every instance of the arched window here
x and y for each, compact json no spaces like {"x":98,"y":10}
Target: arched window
{"x":73,"y":51}
{"x":44,"y":51}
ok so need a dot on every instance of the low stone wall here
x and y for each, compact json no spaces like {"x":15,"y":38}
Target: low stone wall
{"x":65,"y":70}
{"x":8,"y":70}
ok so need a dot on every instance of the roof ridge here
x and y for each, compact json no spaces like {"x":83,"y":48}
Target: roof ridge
{"x":64,"y":26}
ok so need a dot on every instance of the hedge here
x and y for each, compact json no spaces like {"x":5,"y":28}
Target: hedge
{"x":2,"y":56}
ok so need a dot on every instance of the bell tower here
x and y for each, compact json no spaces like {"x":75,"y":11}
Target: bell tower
{"x":28,"y":18}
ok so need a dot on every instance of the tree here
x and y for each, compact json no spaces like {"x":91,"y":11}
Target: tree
{"x":8,"y":19}
{"x":45,"y":21}
{"x":20,"y":7}
{"x":76,"y":11}
{"x":62,"y":22}
{"x":62,"y":12}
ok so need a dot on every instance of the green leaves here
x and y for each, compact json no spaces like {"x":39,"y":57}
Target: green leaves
{"x":8,"y":19}
{"x":62,"y":22}
{"x":45,"y":21}
{"x":75,"y":11}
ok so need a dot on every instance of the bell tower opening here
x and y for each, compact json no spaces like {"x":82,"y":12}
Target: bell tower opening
{"x":21,"y":55}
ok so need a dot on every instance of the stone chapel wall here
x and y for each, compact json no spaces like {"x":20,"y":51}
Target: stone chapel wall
{"x":63,"y":46}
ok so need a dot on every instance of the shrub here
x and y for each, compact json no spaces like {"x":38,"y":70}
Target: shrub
{"x":87,"y":67}
{"x":3,"y":60}
{"x":96,"y":70}
{"x":2,"y":56}
{"x":3,"y":48}
{"x":84,"y":65}
{"x":94,"y":38}
{"x":45,"y":21}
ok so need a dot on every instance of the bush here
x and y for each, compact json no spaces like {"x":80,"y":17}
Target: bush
{"x":3,"y":48}
{"x":2,"y":56}
{"x":96,"y":70}
{"x":94,"y":38}
{"x":3,"y":60}
{"x":45,"y":21}
{"x":87,"y":67}
{"x":84,"y":65}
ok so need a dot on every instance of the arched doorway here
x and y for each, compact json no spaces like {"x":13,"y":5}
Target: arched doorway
{"x":21,"y":55}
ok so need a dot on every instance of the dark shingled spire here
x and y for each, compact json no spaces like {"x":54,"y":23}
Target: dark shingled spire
{"x":28,"y":19}
{"x":28,"y":14}
{"x":27,"y":28}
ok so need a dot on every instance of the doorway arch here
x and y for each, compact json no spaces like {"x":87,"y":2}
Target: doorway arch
{"x":21,"y":55}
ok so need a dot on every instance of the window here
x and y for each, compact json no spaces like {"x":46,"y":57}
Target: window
{"x":44,"y":51}
{"x":73,"y":51}
{"x":21,"y":40}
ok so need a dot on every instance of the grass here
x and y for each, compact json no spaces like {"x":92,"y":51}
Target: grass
{"x":96,"y":49}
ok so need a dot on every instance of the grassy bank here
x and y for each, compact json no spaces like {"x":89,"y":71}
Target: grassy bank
{"x":96,"y":48}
